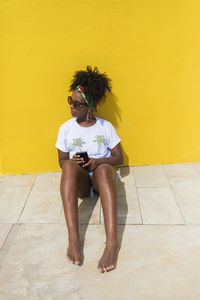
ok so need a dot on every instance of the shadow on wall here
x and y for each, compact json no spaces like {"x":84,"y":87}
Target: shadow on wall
{"x":110,"y":111}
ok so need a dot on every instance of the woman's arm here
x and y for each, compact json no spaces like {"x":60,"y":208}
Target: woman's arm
{"x":115,"y":159}
{"x":62,"y":157}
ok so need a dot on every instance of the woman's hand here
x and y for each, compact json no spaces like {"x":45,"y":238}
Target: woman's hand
{"x":92,"y":164}
{"x":77,"y":159}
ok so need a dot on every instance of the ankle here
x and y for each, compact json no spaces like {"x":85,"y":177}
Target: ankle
{"x":111,"y":243}
{"x":73,"y":238}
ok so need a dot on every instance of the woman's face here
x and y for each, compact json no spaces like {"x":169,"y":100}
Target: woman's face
{"x":80,"y":111}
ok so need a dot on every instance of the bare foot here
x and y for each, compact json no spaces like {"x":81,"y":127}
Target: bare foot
{"x":108,"y":260}
{"x":73,"y":251}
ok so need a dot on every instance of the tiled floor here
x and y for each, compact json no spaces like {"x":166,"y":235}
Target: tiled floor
{"x":158,"y":234}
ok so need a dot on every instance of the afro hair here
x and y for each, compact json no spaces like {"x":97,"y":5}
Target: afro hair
{"x":94,"y":82}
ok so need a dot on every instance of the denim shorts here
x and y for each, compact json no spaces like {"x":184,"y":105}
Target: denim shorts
{"x":90,"y":173}
{"x":92,"y":191}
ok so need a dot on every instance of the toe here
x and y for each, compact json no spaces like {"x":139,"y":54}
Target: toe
{"x":68,"y":258}
{"x":100,"y":269}
{"x":111,"y":267}
{"x":73,"y":260}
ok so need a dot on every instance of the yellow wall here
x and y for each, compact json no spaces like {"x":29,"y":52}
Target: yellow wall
{"x":150,"y":49}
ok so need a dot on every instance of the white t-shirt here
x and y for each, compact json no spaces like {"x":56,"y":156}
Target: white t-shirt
{"x":97,"y":139}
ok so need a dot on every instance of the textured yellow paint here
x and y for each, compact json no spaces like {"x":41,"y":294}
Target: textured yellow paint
{"x":150,"y":49}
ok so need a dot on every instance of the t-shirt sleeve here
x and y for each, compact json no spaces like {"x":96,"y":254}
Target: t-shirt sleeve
{"x":61,"y":142}
{"x":113,"y":138}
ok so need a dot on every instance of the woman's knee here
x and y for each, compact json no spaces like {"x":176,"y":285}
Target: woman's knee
{"x":69,"y":165}
{"x":105,"y":170}
{"x":70,"y":169}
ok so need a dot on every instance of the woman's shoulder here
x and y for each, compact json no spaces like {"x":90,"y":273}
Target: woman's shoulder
{"x":68,"y":123}
{"x":104,"y":122}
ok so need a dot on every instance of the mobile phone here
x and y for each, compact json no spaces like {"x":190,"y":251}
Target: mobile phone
{"x":85,"y":157}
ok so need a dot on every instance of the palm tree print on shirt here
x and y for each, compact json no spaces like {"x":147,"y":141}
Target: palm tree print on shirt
{"x":100,"y":139}
{"x":78,"y":143}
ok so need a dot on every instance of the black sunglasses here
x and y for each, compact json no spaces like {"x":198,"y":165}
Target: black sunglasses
{"x":76,"y":104}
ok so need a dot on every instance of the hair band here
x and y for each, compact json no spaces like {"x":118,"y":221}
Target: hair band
{"x":81,"y":89}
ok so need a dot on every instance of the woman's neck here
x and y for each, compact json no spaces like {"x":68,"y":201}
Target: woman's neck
{"x":83,"y":121}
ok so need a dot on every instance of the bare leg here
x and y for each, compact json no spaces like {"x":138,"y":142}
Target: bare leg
{"x":74,"y":183}
{"x":104,"y":182}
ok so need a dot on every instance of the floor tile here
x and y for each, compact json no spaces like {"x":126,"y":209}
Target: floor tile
{"x":12,"y":202}
{"x":188,"y":198}
{"x":44,"y":202}
{"x":150,"y":176}
{"x":197,"y":166}
{"x":158,"y":206}
{"x":181,"y":175}
{"x":48,"y":179}
{"x":18,"y":180}
{"x":4,"y":231}
{"x":161,"y":263}
{"x":1,"y":178}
